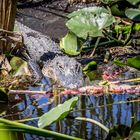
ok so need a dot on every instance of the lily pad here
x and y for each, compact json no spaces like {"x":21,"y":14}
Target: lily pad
{"x":133,"y":14}
{"x":69,"y":44}
{"x":89,"y":21}
{"x":58,"y":113}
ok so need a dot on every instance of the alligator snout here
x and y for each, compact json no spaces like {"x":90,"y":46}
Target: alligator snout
{"x":66,"y":71}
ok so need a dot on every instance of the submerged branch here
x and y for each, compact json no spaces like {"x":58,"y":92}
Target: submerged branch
{"x":26,"y":91}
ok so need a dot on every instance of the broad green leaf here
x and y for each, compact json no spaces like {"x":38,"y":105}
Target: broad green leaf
{"x":133,"y":14}
{"x":134,"y":62}
{"x":58,"y":113}
{"x":89,"y":23}
{"x":69,"y":44}
{"x":91,"y":10}
{"x":19,"y":66}
{"x":133,"y":2}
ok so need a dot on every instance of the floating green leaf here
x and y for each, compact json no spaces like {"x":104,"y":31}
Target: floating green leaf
{"x":133,"y":14}
{"x":89,"y":22}
{"x":134,"y":62}
{"x":69,"y":44}
{"x":58,"y":113}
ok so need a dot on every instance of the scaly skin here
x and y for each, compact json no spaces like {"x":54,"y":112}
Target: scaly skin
{"x":62,"y":69}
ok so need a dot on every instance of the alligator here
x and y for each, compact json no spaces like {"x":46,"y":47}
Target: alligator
{"x":42,"y":50}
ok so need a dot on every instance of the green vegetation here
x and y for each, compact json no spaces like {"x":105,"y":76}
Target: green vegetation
{"x":60,"y":111}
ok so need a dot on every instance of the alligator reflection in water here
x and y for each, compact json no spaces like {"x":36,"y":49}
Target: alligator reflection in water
{"x":88,"y":106}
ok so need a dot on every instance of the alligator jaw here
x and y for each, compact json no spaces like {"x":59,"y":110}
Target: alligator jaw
{"x":64,"y":70}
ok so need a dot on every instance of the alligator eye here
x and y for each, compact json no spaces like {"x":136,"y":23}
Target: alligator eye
{"x":60,"y":67}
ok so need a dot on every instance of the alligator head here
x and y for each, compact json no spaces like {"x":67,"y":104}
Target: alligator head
{"x":64,"y":70}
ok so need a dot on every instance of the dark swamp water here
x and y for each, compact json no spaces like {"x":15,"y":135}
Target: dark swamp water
{"x":50,"y":20}
{"x":109,"y":110}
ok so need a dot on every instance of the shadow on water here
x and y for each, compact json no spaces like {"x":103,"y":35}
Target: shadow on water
{"x":104,"y":109}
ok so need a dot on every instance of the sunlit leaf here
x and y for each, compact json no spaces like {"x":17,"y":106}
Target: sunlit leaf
{"x":69,"y":44}
{"x":89,"y":22}
{"x":58,"y":113}
{"x":134,"y":62}
{"x":133,"y":14}
{"x":90,"y":10}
